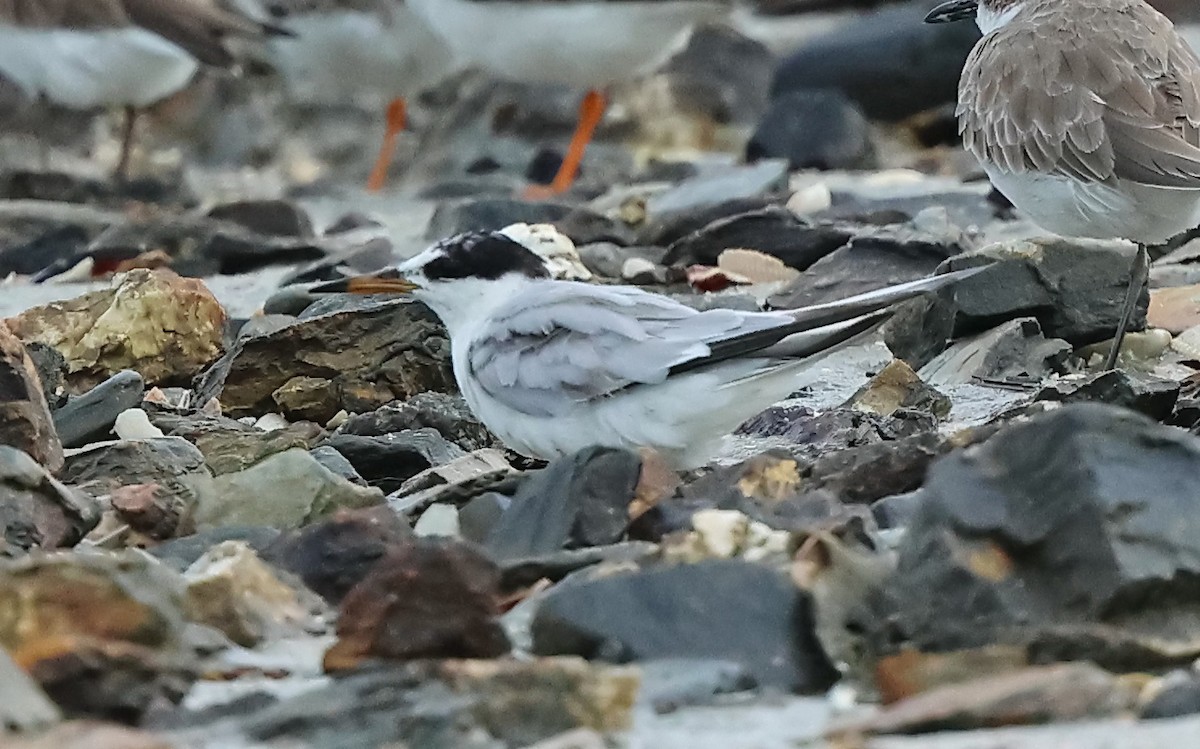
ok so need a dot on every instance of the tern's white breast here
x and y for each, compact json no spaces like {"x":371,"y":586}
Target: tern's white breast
{"x":1102,"y":211}
{"x":339,"y":56}
{"x":86,"y":69}
{"x":586,"y":43}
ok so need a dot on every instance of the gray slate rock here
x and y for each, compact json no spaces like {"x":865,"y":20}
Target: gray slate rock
{"x":720,"y":609}
{"x":388,"y":460}
{"x":813,"y":129}
{"x":90,"y":417}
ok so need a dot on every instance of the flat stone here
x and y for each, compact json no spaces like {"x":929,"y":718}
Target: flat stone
{"x":90,"y":417}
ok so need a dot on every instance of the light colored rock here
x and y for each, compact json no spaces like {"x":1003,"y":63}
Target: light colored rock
{"x":438,"y":520}
{"x":286,"y":490}
{"x":134,"y":424}
{"x":231,"y":589}
{"x":165,"y":327}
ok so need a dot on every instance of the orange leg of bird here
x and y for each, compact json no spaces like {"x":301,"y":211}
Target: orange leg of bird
{"x":590,"y":114}
{"x":397,"y":119}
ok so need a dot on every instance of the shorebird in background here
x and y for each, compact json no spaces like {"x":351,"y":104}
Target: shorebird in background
{"x":1086,"y":115}
{"x":346,"y":49}
{"x":84,"y":54}
{"x":590,"y":44}
{"x":554,"y":366}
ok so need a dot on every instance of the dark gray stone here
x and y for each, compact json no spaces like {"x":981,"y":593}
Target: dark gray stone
{"x":578,"y":500}
{"x":276,"y":218}
{"x":1147,"y":394}
{"x":388,"y":460}
{"x":181,"y":553}
{"x":445,"y":412}
{"x":774,"y":230}
{"x":479,"y":516}
{"x":815,"y":129}
{"x":720,"y":609}
{"x":1076,"y":532}
{"x":337,"y":463}
{"x":51,"y":371}
{"x":489,"y":214}
{"x":1013,"y":351}
{"x":90,"y":417}
{"x":36,"y":511}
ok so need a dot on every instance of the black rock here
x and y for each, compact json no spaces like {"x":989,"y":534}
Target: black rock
{"x":1076,"y":532}
{"x":1147,"y":394}
{"x":447,"y":413}
{"x":814,"y":434}
{"x":1074,"y":287}
{"x":720,"y":609}
{"x":334,"y":555}
{"x":49,"y":248}
{"x":51,"y":369}
{"x":579,"y":500}
{"x":889,"y":62}
{"x":276,"y":218}
{"x":817,"y":129}
{"x":774,"y":230}
{"x":489,"y":214}
{"x":90,"y":417}
{"x":388,"y":460}
{"x":662,"y":231}
{"x":875,"y":257}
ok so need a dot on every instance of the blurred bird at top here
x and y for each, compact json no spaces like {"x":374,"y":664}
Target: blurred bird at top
{"x":348,"y":49}
{"x":591,"y":44}
{"x":84,"y":54}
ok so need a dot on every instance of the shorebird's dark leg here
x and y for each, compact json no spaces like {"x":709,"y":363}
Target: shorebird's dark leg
{"x":122,"y":173}
{"x":397,"y":120}
{"x":1138,"y":273}
{"x":590,"y":114}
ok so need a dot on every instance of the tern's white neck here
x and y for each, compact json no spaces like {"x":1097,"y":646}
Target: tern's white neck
{"x":465,"y":303}
{"x":989,"y":20}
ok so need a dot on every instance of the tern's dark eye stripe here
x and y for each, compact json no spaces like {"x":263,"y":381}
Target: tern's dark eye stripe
{"x":485,"y":255}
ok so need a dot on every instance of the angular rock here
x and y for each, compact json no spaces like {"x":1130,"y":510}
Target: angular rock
{"x":151,"y":510}
{"x":232,"y":590}
{"x":51,"y":371}
{"x":335,"y":554}
{"x":1016,"y":350}
{"x":90,"y":417}
{"x":36,"y":511}
{"x":23,"y":704}
{"x":888,"y":62}
{"x":458,"y":481}
{"x":721,"y":75}
{"x":1182,"y":697}
{"x":813,"y":129}
{"x":898,"y":387}
{"x":665,"y":230}
{"x":1070,"y":533}
{"x":337,"y":463}
{"x":1174,"y":309}
{"x":580,"y":500}
{"x":278,"y":218}
{"x":425,"y":599}
{"x":352,"y":361}
{"x":439,"y":521}
{"x":181,"y":553}
{"x":286,"y":490}
{"x":126,"y":652}
{"x":388,"y":460}
{"x":165,"y":327}
{"x":773,"y":230}
{"x":1074,"y":287}
{"x":228,"y":451}
{"x":1045,"y":694}
{"x":171,"y":463}
{"x":478,"y":517}
{"x":1144,"y":393}
{"x":25,"y":422}
{"x":877,"y":256}
{"x":813,"y":434}
{"x":729,"y":610}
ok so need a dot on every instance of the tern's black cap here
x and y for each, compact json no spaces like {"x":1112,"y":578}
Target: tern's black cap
{"x":486,"y":255}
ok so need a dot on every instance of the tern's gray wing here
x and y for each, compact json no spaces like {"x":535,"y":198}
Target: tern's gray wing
{"x":1054,"y":95}
{"x":564,"y":343}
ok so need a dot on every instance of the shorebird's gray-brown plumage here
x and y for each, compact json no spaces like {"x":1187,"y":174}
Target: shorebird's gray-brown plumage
{"x":1086,"y":115}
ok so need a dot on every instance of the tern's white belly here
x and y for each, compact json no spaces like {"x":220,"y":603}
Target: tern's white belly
{"x":586,"y":43}
{"x":337,"y":56}
{"x":1122,"y":210}
{"x":86,"y":69}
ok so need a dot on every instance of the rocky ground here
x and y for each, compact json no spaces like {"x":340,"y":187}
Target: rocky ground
{"x":239,"y":514}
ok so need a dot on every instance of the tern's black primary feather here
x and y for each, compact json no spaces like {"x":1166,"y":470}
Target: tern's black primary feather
{"x":486,"y":255}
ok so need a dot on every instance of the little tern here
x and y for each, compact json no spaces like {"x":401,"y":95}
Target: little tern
{"x":554,"y":366}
